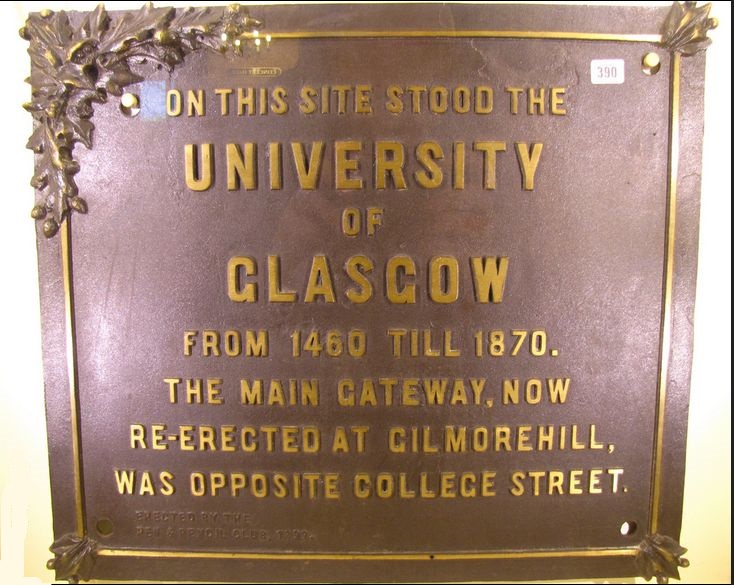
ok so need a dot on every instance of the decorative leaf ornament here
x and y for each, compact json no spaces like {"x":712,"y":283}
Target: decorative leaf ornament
{"x":74,"y":67}
{"x":74,"y":557}
{"x":686,"y":28}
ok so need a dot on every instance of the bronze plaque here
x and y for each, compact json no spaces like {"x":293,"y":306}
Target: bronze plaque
{"x":367,"y":292}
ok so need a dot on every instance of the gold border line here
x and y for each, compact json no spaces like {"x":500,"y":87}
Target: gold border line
{"x":665,"y":333}
{"x":72,"y":373}
{"x":311,"y":556}
{"x":461,"y":34}
{"x":71,"y":350}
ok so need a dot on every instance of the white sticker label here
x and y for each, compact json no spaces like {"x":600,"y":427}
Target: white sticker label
{"x":607,"y":71}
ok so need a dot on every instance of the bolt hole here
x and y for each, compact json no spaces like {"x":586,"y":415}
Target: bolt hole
{"x":628,"y":528}
{"x":651,"y":63}
{"x":130,"y":105}
{"x":105,"y":527}
{"x":431,"y":557}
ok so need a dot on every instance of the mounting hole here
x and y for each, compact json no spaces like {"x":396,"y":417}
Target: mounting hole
{"x":130,"y":104}
{"x":628,"y":528}
{"x":651,"y":63}
{"x":104,"y":527}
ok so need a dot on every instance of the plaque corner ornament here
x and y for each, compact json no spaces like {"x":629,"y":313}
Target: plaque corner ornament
{"x":686,"y":28}
{"x":75,"y":65}
{"x":660,"y":556}
{"x":74,"y":557}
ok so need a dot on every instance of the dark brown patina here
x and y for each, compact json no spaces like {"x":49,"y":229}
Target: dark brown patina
{"x":442,"y":331}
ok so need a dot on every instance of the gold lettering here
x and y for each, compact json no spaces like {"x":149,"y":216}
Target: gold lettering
{"x":514,"y":98}
{"x":137,"y":437}
{"x":223,"y":94}
{"x":462,"y":99}
{"x":528,"y":162}
{"x":392,"y":165}
{"x":345,"y":166}
{"x":443,"y":279}
{"x":416,"y":91}
{"x":237,"y":267}
{"x":172,"y":389}
{"x":557,"y":102}
{"x":484,"y":98}
{"x":395,"y":269}
{"x":438,"y":100}
{"x":275,"y":166}
{"x":488,"y":479}
{"x":308,"y":105}
{"x":199,"y":176}
{"x":489,"y":275}
{"x":394,"y":103}
{"x":166,"y":478}
{"x":459,"y":165}
{"x":280,"y":104}
{"x":241,"y":168}
{"x":319,"y":282}
{"x":173,"y":102}
{"x":362,"y":103}
{"x":490,"y":150}
{"x":275,"y":293}
{"x":574,"y":481}
{"x":195,"y":102}
{"x":308,"y":172}
{"x":357,"y":267}
{"x":431,"y":176}
{"x":245,"y":101}
{"x":536,"y":101}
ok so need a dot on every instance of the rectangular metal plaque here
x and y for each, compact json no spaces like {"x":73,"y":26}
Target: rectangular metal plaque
{"x":367,"y":292}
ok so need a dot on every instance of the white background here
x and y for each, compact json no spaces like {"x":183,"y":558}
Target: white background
{"x":25,"y":509}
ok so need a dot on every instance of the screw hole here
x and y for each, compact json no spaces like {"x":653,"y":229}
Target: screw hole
{"x":105,"y":527}
{"x":628,"y":528}
{"x":651,"y":63}
{"x":130,"y":105}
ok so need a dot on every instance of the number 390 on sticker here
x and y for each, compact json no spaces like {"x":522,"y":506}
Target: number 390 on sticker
{"x":607,"y":71}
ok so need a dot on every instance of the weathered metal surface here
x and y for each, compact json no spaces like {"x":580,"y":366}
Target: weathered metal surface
{"x":464,"y":281}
